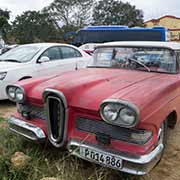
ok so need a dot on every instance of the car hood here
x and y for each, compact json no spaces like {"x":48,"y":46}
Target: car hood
{"x":6,"y":66}
{"x":87,"y":88}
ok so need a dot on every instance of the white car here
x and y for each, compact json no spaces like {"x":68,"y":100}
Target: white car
{"x":34,"y":60}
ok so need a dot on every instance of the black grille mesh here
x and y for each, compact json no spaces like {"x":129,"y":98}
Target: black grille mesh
{"x":56,"y":116}
{"x":34,"y":111}
{"x":114,"y":132}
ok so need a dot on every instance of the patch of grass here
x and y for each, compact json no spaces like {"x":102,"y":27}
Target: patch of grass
{"x":1,"y":119}
{"x":49,"y":162}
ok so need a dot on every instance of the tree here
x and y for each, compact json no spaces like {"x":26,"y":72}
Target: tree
{"x":115,"y":12}
{"x":4,"y":25}
{"x":34,"y":26}
{"x":5,"y":13}
{"x":3,"y":22}
{"x":71,"y":13}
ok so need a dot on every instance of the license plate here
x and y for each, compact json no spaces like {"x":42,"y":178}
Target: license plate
{"x":101,"y":157}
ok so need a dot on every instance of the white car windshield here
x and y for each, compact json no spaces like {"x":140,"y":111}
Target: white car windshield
{"x":150,"y":59}
{"x":20,"y":54}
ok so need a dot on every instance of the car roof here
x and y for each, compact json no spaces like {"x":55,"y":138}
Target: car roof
{"x":170,"y":45}
{"x":45,"y":45}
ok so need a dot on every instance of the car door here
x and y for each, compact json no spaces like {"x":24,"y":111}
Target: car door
{"x":61,"y":59}
{"x":73,"y":59}
{"x":52,"y":66}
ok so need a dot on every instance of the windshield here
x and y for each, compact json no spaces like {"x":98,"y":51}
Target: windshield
{"x":20,"y":54}
{"x":138,"y":58}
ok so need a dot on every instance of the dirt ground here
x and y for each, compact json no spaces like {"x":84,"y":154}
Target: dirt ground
{"x":6,"y":108}
{"x":167,"y":169}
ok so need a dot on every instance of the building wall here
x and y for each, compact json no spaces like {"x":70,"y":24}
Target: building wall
{"x":170,"y":22}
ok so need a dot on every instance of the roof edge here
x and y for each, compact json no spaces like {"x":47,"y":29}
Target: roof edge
{"x":162,"y":17}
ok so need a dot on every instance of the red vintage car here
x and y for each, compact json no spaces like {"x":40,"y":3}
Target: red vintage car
{"x":115,"y":113}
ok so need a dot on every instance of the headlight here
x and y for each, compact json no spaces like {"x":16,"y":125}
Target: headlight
{"x":15,"y":93}
{"x":19,"y":94}
{"x":110,"y":111}
{"x":2,"y":75}
{"x":11,"y":92}
{"x":120,"y":113}
{"x":127,"y":115}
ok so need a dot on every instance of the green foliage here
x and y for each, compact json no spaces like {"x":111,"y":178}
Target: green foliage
{"x":3,"y":22}
{"x":34,"y":26}
{"x":62,"y":16}
{"x":1,"y":119}
{"x":5,"y":13}
{"x":4,"y":25}
{"x":72,"y":14}
{"x":114,"y":12}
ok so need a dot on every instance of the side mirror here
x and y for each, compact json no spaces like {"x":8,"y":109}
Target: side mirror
{"x":43,"y":59}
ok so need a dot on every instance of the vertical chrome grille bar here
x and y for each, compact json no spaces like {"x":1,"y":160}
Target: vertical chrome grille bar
{"x":57,"y":111}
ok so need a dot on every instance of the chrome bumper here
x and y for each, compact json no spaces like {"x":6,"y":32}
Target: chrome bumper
{"x":26,"y":129}
{"x":138,"y":165}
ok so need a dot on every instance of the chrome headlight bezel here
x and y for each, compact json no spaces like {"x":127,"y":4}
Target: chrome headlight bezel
{"x":2,"y":75}
{"x":16,"y":89}
{"x":122,"y":105}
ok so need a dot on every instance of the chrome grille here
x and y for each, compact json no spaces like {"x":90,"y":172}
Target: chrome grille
{"x":56,"y":108}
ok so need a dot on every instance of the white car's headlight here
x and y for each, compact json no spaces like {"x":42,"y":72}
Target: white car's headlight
{"x":120,"y":113}
{"x":2,"y":75}
{"x":15,"y":93}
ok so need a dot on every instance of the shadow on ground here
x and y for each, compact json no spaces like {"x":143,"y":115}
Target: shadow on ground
{"x":7,"y":108}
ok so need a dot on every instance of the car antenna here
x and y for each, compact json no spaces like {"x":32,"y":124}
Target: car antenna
{"x":76,"y":68}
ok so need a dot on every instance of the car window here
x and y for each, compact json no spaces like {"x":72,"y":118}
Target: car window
{"x":68,"y":52}
{"x":53,"y":53}
{"x":21,"y":53}
{"x":178,"y":57}
{"x":152,"y":59}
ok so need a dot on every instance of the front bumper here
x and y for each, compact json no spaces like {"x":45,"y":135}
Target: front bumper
{"x":26,"y":129}
{"x":138,"y":165}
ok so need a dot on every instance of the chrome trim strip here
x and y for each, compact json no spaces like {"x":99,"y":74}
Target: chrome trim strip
{"x":146,"y":162}
{"x":38,"y":132}
{"x":60,"y":95}
{"x":124,"y":103}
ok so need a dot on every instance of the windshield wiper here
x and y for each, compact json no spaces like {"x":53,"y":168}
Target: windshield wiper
{"x":10,"y":60}
{"x":138,"y":62}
